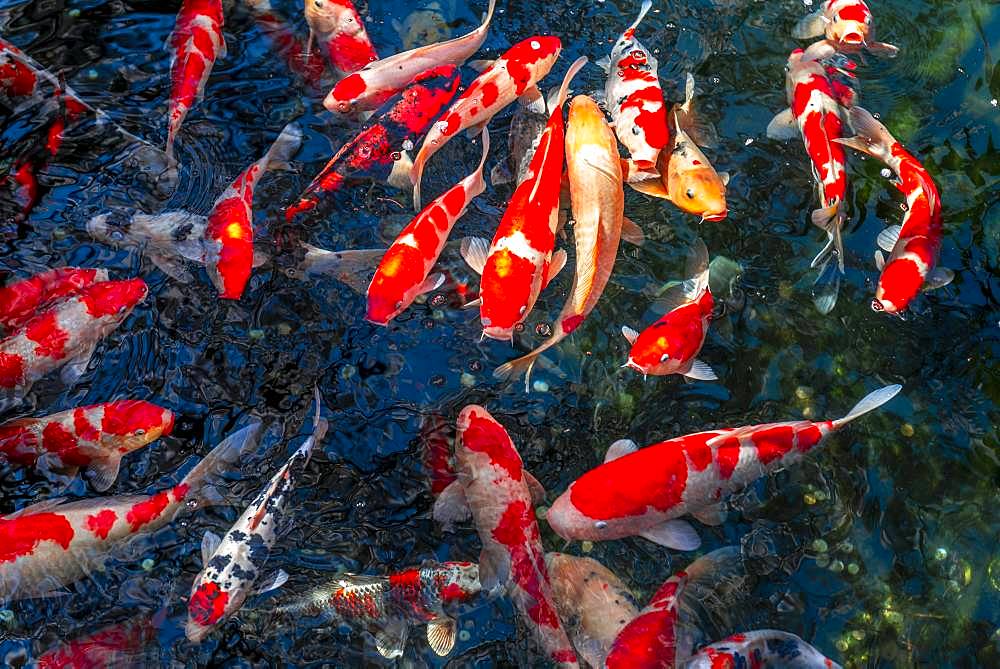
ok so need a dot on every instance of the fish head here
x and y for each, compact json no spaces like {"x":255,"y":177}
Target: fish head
{"x":345,"y":96}
{"x":572,"y":524}
{"x":485,"y":441}
{"x":113,"y":228}
{"x":460,"y":582}
{"x":387,"y":294}
{"x":650,"y":354}
{"x":114,"y":299}
{"x":693,"y":184}
{"x":137,"y":422}
{"x":327,"y":16}
{"x":208,"y":606}
{"x":532,"y":58}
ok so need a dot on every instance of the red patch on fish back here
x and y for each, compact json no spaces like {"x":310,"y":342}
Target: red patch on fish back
{"x":490,"y":93}
{"x":349,"y":87}
{"x":572,"y":323}
{"x":900,"y":282}
{"x":11,"y":370}
{"x":808,"y":437}
{"x":59,"y":441}
{"x":101,"y":523}
{"x":485,"y":435}
{"x":147,"y":511}
{"x":48,"y":335}
{"x":83,"y":428}
{"x":774,"y":442}
{"x":20,"y":536}
{"x":454,"y":201}
{"x":727,"y":456}
{"x":647,"y":641}
{"x":208,"y":604}
{"x":453,"y":123}
{"x":19,"y":443}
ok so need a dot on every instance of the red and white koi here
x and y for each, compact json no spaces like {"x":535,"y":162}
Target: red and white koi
{"x":121,"y":644}
{"x":377,"y":151}
{"x":405,"y":269}
{"x":593,"y":604}
{"x":436,"y":438}
{"x":196,"y":44}
{"x":233,"y":565}
{"x":494,"y":489}
{"x":644,"y":492}
{"x":847,"y":24}
{"x":913,"y":247}
{"x":65,"y":336}
{"x":287,"y":43}
{"x":816,"y":116}
{"x":521,"y":260}
{"x":671,"y":344}
{"x":21,"y":300}
{"x":54,"y":543}
{"x":389,"y":605}
{"x":513,"y":75}
{"x":229,"y":252}
{"x":635,"y":100}
{"x":598,"y":202}
{"x":341,"y":34}
{"x":766,"y":649}
{"x":93,"y":437}
{"x":376,"y":82}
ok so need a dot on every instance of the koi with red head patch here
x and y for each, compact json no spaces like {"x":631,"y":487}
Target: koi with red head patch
{"x":671,"y":344}
{"x":593,"y":604}
{"x":493,"y":488}
{"x":389,"y":605}
{"x":847,"y":24}
{"x":766,"y":649}
{"x":643,"y":492}
{"x":405,"y":270}
{"x":913,"y":246}
{"x":635,"y":99}
{"x":816,"y":116}
{"x":21,"y":300}
{"x":378,"y":81}
{"x":377,"y":149}
{"x":51,"y":544}
{"x":196,"y":43}
{"x":519,"y":262}
{"x":595,"y":183}
{"x":234,"y":564}
{"x":119,"y":645}
{"x":341,"y":34}
{"x":511,"y":76}
{"x":65,"y":335}
{"x":94,"y":437}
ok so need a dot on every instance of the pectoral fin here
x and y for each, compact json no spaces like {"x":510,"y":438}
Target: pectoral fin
{"x":102,"y":473}
{"x":938,"y":278}
{"x":632,"y":233}
{"x":809,"y":26}
{"x":712,"y":515}
{"x":676,"y":534}
{"x":783,"y":127}
{"x":652,"y":187}
{"x":629,"y":334}
{"x":620,"y":448}
{"x":474,"y":251}
{"x":700,"y":371}
{"x":441,"y":634}
{"x":75,"y":368}
{"x":451,"y":506}
{"x":272,"y":582}
{"x":536,"y":489}
{"x":209,"y":544}
{"x":887,"y":238}
{"x":390,"y":639}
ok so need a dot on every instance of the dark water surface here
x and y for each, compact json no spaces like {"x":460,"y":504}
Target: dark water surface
{"x":881,"y":550}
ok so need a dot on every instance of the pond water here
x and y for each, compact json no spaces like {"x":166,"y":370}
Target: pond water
{"x":881,"y":550}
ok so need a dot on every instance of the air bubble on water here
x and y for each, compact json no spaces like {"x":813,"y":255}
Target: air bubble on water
{"x":993,"y":102}
{"x":543,"y":329}
{"x":464,"y":635}
{"x":748,"y":142}
{"x":476,"y":366}
{"x":147,"y":564}
{"x":437,"y":380}
{"x":347,"y":371}
{"x":716,"y":80}
{"x":191,"y":504}
{"x":540,"y":387}
{"x":407,"y":145}
{"x":885,"y":172}
{"x":437,"y":300}
{"x":941,"y":554}
{"x":467,"y":380}
{"x":92,"y":74}
{"x":395,"y":155}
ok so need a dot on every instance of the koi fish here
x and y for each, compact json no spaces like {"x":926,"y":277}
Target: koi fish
{"x":405,"y":270}
{"x":521,"y":260}
{"x":286,"y":43}
{"x":815,"y":115}
{"x":93,"y":437}
{"x":913,"y":246}
{"x":494,"y":489}
{"x":847,"y":24}
{"x":389,"y":605}
{"x":687,"y":178}
{"x":643,"y":492}
{"x":378,"y":81}
{"x":377,"y":151}
{"x":767,"y":649}
{"x":54,"y":543}
{"x":592,"y":602}
{"x":513,"y":75}
{"x":671,"y":344}
{"x":229,"y":253}
{"x":196,"y":43}
{"x":635,"y":99}
{"x":526,"y":127}
{"x":436,"y":438}
{"x":595,"y":182}
{"x":21,"y":300}
{"x":341,"y":34}
{"x":65,"y":336}
{"x":232,"y":566}
{"x":659,"y":637}
{"x":121,"y":644}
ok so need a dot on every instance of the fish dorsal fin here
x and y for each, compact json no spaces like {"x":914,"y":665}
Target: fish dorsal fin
{"x":887,"y":238}
{"x":629,"y":334}
{"x":475,"y":251}
{"x":38,"y":507}
{"x":441,"y":634}
{"x":619,"y":449}
{"x":273,"y":581}
{"x":209,"y":544}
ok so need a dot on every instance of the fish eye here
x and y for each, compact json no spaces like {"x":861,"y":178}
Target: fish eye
{"x":664,"y":357}
{"x":399,"y":304}
{"x":121,"y":309}
{"x":117,"y":235}
{"x":140,"y":432}
{"x":600,"y":524}
{"x":690,"y":193}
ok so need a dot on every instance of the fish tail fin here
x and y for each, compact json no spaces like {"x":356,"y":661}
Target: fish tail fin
{"x":869,"y":402}
{"x":830,"y":219}
{"x":515,"y":368}
{"x":225,"y":455}
{"x":646,"y":6}
{"x":563,"y":93}
{"x":488,"y":17}
{"x":353,"y":268}
{"x":417,"y":173}
{"x":717,"y":582}
{"x":826,"y":288}
{"x":697,"y":270}
{"x":870,"y":136}
{"x":479,"y":178}
{"x":283,"y":148}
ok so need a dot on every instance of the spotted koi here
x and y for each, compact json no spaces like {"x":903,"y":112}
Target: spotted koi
{"x":196,"y":44}
{"x":513,"y":75}
{"x":341,"y":34}
{"x":405,"y":270}
{"x":53,"y":543}
{"x":672,"y":343}
{"x":389,"y":605}
{"x":766,"y":649}
{"x":377,"y":149}
{"x":913,"y":247}
{"x":65,"y":336}
{"x":376,"y":82}
{"x":493,"y":488}
{"x":233,"y":565}
{"x":21,"y":300}
{"x":643,"y":492}
{"x":847,"y":24}
{"x":521,"y":260}
{"x":93,"y":437}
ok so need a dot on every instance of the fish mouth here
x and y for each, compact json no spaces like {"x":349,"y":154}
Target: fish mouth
{"x":720,"y":216}
{"x":853,"y":38}
{"x":632,"y":364}
{"x":498,"y":333}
